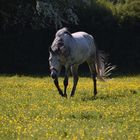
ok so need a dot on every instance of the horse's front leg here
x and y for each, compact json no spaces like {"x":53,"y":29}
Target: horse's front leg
{"x":58,"y":87}
{"x":66,"y":80}
{"x":74,"y":70}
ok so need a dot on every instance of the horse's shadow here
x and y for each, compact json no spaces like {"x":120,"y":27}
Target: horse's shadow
{"x":105,"y":98}
{"x":109,"y":96}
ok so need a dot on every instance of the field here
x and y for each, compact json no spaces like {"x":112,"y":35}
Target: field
{"x":31,"y":109}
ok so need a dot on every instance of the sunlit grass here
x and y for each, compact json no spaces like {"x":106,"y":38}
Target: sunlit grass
{"x":30,"y":108}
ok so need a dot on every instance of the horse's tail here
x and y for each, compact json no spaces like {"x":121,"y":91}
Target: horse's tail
{"x":103,"y":69}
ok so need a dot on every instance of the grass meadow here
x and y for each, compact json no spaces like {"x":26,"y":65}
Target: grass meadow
{"x":31,"y":109}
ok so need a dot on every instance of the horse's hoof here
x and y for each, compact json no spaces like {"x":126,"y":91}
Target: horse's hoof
{"x":71,"y":95}
{"x":65,"y":95}
{"x":94,"y":97}
{"x":61,"y":93}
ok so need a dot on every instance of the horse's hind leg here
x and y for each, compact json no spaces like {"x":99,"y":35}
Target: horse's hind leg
{"x":74,"y":70}
{"x":94,"y":75}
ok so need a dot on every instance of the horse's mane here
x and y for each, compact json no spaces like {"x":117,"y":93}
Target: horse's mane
{"x":63,"y":31}
{"x":58,"y":42}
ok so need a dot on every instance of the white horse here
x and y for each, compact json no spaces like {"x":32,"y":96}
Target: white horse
{"x":71,"y":50}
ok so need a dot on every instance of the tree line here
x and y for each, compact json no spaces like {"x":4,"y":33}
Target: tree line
{"x":27,"y":29}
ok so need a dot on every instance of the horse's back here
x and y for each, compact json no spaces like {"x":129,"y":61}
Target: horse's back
{"x":84,"y":46}
{"x":81,"y":35}
{"x":83,"y":39}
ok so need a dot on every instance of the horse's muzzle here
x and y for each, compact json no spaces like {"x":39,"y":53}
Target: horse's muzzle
{"x":53,"y":72}
{"x":53,"y":75}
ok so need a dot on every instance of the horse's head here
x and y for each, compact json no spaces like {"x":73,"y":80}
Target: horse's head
{"x":55,"y":64}
{"x":59,"y":51}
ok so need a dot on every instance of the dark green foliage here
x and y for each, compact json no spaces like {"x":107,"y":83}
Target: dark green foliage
{"x":124,"y":10}
{"x":16,"y":13}
{"x":27,"y":32}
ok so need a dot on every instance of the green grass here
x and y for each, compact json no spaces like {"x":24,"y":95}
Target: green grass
{"x":31,"y":109}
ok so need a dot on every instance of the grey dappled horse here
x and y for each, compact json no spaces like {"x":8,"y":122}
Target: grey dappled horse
{"x":71,"y":50}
